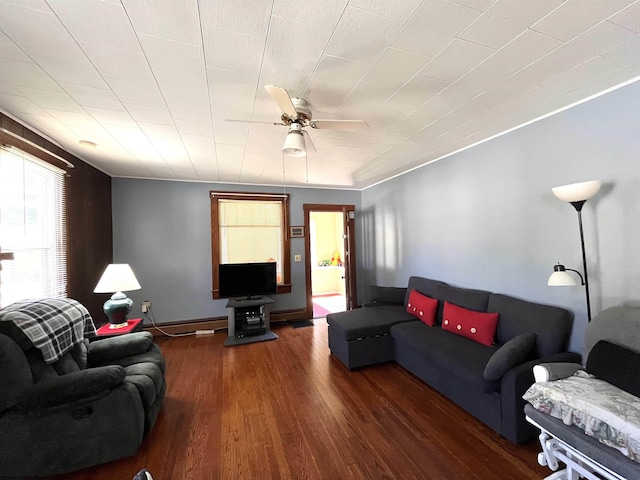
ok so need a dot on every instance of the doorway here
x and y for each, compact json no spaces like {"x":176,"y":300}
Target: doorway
{"x":330,"y":259}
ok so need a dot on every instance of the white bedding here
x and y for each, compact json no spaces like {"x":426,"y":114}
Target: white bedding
{"x":600,"y":409}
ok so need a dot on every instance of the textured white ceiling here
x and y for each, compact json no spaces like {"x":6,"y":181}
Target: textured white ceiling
{"x":153,"y":82}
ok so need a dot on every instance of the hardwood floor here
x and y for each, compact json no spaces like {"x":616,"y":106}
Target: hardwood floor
{"x":287,"y":409}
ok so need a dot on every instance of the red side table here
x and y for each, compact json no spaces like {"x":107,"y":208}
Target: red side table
{"x":133,"y":325}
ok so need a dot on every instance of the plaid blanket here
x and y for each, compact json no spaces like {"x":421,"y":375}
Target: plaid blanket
{"x":54,"y":325}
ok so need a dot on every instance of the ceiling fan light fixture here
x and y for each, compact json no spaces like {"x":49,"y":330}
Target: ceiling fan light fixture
{"x":294,"y":144}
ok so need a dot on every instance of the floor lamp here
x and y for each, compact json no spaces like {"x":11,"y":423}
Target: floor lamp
{"x":576,"y":194}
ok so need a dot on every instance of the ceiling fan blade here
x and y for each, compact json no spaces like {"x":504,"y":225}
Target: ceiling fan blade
{"x":282,"y":98}
{"x":308,"y":142}
{"x":251,"y":121}
{"x":339,"y":124}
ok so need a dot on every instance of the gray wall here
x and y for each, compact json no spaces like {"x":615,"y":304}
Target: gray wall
{"x":163,"y":229}
{"x":486,"y":218}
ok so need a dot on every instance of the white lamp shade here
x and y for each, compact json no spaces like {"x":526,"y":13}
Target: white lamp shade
{"x":117,"y":277}
{"x":561,"y":279}
{"x":294,"y":144}
{"x":577,"y":192}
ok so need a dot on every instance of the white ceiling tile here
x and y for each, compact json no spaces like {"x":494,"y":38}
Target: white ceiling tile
{"x":143,"y":113}
{"x":136,"y":143}
{"x":583,"y":74}
{"x":393,"y":112}
{"x":320,"y":14}
{"x":597,"y":40}
{"x":394,"y":68}
{"x":96,"y":21}
{"x":530,"y":77}
{"x":575,"y":16}
{"x":455,"y":60}
{"x":623,"y":75}
{"x":125,"y":65}
{"x":137,"y":93}
{"x":628,"y":18}
{"x":471,"y":85}
{"x":418,"y":90}
{"x":73,"y":119}
{"x":113,"y":117}
{"x":71,"y":67}
{"x":439,"y":106}
{"x":230,"y":139}
{"x":480,"y":5}
{"x":170,"y":58}
{"x":290,"y":78}
{"x":434,"y":25}
{"x":517,"y":54}
{"x":10,"y":51}
{"x":190,"y":127}
{"x":363,"y":100}
{"x":158,"y":130}
{"x":171,"y":149}
{"x":400,"y":10}
{"x":506,"y":19}
{"x":172,"y":19}
{"x":626,"y":53}
{"x":332,"y":81}
{"x":201,"y":150}
{"x":18,"y":104}
{"x":27,"y":75}
{"x":250,"y":17}
{"x":233,"y":51}
{"x":92,"y":97}
{"x":54,"y":100}
{"x":285,"y":34}
{"x":31,"y":29}
{"x":361,"y":35}
{"x":412,"y":124}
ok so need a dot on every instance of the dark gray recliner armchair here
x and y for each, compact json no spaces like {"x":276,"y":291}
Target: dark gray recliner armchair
{"x":93,"y":405}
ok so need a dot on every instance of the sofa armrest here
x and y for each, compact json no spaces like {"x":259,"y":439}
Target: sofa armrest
{"x":108,"y":350}
{"x":71,"y":387}
{"x":514,"y":383}
{"x":546,"y":372}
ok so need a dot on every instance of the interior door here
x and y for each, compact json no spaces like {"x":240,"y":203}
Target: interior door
{"x":348,"y":215}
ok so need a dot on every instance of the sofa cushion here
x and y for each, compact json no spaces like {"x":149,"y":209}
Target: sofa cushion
{"x":477,"y":326}
{"x":386,"y":295}
{"x":616,"y":365}
{"x":423,"y":307}
{"x":459,"y":356}
{"x":552,"y":325}
{"x":512,"y":353}
{"x":426,"y":286}
{"x":367,"y":322}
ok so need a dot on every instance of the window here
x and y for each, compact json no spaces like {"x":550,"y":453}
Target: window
{"x":32,"y":225}
{"x":249,"y":228}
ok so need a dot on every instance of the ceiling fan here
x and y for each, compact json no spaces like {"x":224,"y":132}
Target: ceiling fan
{"x":296,"y":114}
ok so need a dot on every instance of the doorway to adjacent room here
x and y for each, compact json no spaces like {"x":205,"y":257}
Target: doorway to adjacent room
{"x":330,"y":259}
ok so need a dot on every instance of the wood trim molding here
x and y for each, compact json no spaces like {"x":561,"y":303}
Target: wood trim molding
{"x":10,"y":138}
{"x":217,"y":323}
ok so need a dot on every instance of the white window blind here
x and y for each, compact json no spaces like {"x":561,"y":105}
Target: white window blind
{"x":32,"y":225}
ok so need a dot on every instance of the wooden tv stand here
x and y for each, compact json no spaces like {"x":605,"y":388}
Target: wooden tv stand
{"x":248,"y":320}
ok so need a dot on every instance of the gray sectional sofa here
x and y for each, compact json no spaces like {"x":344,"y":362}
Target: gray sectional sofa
{"x":487,"y":381}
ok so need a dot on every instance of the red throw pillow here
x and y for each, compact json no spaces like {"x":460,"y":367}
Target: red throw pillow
{"x":423,"y":307}
{"x":478,"y":326}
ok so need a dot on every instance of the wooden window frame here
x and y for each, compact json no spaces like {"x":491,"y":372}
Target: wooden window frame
{"x":285,"y":286}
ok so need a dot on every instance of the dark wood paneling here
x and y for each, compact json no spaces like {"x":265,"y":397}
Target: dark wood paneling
{"x":89,"y":227}
{"x":288,"y":409}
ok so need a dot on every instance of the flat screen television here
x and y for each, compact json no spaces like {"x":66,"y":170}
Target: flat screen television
{"x":247,"y":279}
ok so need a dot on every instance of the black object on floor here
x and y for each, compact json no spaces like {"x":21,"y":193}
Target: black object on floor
{"x":301,"y":323}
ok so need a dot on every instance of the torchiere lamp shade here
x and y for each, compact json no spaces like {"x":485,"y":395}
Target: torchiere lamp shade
{"x":577,"y":192}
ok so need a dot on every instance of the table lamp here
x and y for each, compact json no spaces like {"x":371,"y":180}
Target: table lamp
{"x":117,"y":277}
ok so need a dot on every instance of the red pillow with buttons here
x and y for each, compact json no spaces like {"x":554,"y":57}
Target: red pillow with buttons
{"x":478,"y":326}
{"x":423,"y":307}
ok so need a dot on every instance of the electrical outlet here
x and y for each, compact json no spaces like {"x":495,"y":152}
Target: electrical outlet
{"x":297,"y":258}
{"x":146,"y":306}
